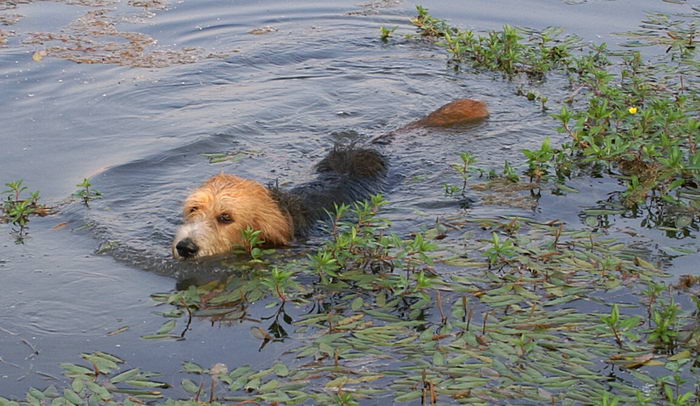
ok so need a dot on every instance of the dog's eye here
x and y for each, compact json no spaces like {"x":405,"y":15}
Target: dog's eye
{"x":224,"y":218}
{"x":192,"y":209}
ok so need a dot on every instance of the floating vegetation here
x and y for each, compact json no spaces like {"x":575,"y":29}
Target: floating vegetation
{"x":503,"y":192}
{"x":91,"y":39}
{"x":626,"y":117}
{"x":10,"y":19}
{"x":263,"y":30}
{"x":504,"y":189}
{"x":385,"y":33}
{"x":85,"y":193}
{"x":374,"y":7}
{"x":4,"y":35}
{"x":97,"y":383}
{"x":16,"y":209}
{"x":90,"y":3}
{"x":86,"y":41}
{"x":675,"y":32}
{"x":477,"y":311}
{"x":233,"y":157}
{"x":149,"y":4}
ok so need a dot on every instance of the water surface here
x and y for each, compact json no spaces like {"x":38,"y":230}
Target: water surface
{"x":275,"y":102}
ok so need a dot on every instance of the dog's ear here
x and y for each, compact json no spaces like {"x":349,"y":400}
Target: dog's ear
{"x":273,"y":230}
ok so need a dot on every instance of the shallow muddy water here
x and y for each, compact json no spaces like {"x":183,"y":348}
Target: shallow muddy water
{"x":273,"y":102}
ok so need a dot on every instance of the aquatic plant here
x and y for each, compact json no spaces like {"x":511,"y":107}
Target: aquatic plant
{"x":385,"y":32}
{"x":664,"y":333}
{"x":465,"y":169}
{"x":100,"y":382}
{"x":499,"y":251}
{"x":16,"y":209}
{"x":619,"y":327}
{"x":278,"y":281}
{"x":636,"y":118}
{"x":510,"y":173}
{"x":427,"y":319}
{"x":491,"y":334}
{"x":253,"y":245}
{"x":539,"y":161}
{"x":85,"y":193}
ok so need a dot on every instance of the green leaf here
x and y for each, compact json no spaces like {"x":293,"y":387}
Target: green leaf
{"x":356,"y":304}
{"x":192,"y":368}
{"x":100,"y":391}
{"x":189,"y":386}
{"x":126,"y":375}
{"x":72,"y":397}
{"x":407,"y":397}
{"x":78,"y":385}
{"x":147,"y":384}
{"x":270,"y":386}
{"x":76,"y":370}
{"x":36,"y":393}
{"x":167,"y":327}
{"x":280,"y":369}
{"x":159,"y":336}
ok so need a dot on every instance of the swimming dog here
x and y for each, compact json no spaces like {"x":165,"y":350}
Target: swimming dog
{"x":217,"y":213}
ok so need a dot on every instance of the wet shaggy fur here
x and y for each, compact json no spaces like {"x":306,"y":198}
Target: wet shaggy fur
{"x":345,"y":175}
{"x":216,"y":214}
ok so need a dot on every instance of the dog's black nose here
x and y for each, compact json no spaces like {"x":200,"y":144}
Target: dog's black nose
{"x":186,"y":248}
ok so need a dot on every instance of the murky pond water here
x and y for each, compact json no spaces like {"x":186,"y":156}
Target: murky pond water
{"x":272,"y":86}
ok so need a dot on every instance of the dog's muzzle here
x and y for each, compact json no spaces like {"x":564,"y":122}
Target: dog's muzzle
{"x":186,"y":248}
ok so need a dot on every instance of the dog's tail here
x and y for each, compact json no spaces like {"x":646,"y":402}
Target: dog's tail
{"x":460,"y":111}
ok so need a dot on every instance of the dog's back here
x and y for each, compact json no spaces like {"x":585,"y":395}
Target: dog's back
{"x":344,"y":176}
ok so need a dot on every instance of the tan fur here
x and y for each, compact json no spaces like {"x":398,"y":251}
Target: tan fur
{"x":460,"y":111}
{"x":250,"y":204}
{"x":247,"y":202}
{"x":457,"y":112}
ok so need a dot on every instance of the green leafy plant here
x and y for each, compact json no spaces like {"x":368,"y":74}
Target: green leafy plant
{"x":510,"y":173}
{"x":85,"y":193}
{"x":539,"y":160}
{"x":343,"y":398}
{"x":279,"y":281}
{"x":607,"y":399}
{"x":16,"y":209}
{"x":672,"y":384}
{"x":385,"y":32}
{"x":253,"y":245}
{"x":464,"y":169}
{"x":500,"y":250}
{"x":635,"y":119}
{"x":665,"y":319}
{"x":619,"y":327}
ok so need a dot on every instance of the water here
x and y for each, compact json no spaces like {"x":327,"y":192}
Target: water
{"x":276,"y":102}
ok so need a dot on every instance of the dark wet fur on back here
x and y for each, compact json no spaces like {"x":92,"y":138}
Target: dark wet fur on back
{"x":345,"y":175}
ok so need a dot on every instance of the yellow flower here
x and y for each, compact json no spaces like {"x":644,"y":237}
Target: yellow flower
{"x":632,"y":110}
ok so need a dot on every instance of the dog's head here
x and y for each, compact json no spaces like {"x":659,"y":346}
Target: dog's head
{"x":216,"y":214}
